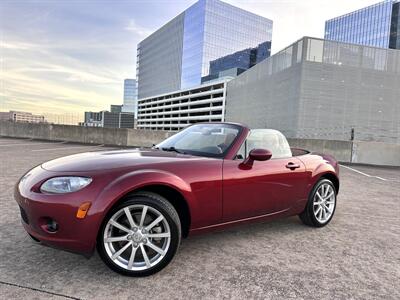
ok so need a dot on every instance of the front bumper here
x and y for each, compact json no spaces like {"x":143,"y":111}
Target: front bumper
{"x":72,"y":234}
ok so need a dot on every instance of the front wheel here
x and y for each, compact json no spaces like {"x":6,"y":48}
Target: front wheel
{"x":321,"y":204}
{"x":140,"y":236}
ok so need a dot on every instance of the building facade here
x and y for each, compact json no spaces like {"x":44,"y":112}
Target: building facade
{"x":321,"y":89}
{"x":112,"y":119}
{"x":377,"y":25}
{"x":130,"y":96}
{"x":236,"y":63}
{"x":174,"y":111}
{"x":21,"y":116}
{"x":206,"y":31}
{"x":115,"y":108}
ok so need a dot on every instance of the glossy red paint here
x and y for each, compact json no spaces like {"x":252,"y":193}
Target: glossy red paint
{"x":218,"y":192}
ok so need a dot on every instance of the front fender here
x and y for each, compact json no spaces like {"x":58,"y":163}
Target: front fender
{"x":135,"y":180}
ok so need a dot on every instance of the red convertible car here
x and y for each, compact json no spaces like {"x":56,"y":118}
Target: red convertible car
{"x":136,"y":205}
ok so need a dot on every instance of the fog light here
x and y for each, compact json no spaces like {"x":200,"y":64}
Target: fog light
{"x":51,"y":226}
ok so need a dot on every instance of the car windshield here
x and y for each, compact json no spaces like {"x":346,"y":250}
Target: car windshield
{"x":210,"y":140}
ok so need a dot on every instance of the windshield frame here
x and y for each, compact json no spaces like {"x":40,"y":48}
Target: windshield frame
{"x":205,"y":154}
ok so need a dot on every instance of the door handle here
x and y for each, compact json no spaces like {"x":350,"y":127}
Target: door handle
{"x":292,"y":166}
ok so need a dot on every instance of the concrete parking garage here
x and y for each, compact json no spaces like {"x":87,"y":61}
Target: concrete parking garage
{"x":357,"y":256}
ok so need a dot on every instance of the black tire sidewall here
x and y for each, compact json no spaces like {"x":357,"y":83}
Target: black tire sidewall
{"x":172,"y":222}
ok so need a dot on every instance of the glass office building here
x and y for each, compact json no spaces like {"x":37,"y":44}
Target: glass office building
{"x":236,"y":63}
{"x":178,"y":55}
{"x":130,"y":96}
{"x":377,"y":25}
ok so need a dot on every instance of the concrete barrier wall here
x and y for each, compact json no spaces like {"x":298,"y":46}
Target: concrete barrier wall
{"x":341,"y":150}
{"x":379,"y":153}
{"x":80,"y":134}
{"x":374,"y":153}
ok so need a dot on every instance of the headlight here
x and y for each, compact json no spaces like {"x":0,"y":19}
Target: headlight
{"x":62,"y":185}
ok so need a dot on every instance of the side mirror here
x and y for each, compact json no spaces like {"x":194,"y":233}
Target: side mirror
{"x":257,"y":154}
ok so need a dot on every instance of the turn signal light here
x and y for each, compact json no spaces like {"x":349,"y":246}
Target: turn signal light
{"x":83,"y":210}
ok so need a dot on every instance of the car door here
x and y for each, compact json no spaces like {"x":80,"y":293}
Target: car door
{"x":266,"y":187}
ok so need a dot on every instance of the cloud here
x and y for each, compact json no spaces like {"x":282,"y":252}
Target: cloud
{"x":137,"y":29}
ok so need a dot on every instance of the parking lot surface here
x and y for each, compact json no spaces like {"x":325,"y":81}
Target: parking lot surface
{"x":357,"y":256}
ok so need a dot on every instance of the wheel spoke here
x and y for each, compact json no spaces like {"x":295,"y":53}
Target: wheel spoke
{"x":328,"y":209}
{"x":155,"y":222}
{"x":329,"y":196}
{"x":330,"y":202}
{"x":323,"y":213}
{"x":132,"y":258}
{"x":120,"y":251}
{"x":146,"y":258}
{"x":327,"y":188}
{"x":320,"y":197}
{"x":115,"y":239}
{"x":159,"y":235}
{"x":119,"y":226}
{"x":129,"y":216}
{"x":144,"y":211}
{"x":318,"y":210}
{"x":155,"y":248}
{"x":320,"y":213}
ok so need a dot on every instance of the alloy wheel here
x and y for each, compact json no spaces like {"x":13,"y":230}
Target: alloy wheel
{"x":324,"y":203}
{"x":137,"y":237}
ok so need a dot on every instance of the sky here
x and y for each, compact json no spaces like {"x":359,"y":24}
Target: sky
{"x":67,"y":57}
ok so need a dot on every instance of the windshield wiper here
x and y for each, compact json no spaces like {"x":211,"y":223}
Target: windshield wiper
{"x":172,"y":149}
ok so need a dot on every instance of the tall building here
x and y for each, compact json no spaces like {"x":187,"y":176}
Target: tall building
{"x":178,"y":54}
{"x":130,"y":96}
{"x":321,"y":89}
{"x":236,"y":63}
{"x":377,"y":25}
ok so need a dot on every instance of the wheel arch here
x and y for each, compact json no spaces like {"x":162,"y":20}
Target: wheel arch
{"x":173,"y":188}
{"x":172,"y":195}
{"x":333,"y":178}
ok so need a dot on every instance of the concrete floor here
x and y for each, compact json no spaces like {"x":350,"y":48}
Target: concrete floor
{"x":357,"y":256}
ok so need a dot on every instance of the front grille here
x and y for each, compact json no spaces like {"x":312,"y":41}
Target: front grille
{"x":24,"y":216}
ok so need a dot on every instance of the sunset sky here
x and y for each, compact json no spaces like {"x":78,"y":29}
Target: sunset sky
{"x":72,"y":56}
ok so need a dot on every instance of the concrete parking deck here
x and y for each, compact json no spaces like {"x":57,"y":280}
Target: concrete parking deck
{"x":357,"y":256}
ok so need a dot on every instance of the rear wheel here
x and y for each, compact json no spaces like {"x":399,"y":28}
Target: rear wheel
{"x":321,"y":204}
{"x":140,"y":236}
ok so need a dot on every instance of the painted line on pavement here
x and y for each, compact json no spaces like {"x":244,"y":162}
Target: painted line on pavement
{"x":30,"y":144}
{"x":367,"y":175}
{"x":64,"y":148}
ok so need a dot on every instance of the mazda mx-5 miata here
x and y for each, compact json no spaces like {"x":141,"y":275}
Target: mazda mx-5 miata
{"x":134,"y":205}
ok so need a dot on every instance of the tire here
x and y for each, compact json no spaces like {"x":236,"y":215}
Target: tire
{"x":321,"y":204}
{"x":152,"y":243}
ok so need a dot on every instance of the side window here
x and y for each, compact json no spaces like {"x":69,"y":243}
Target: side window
{"x":269,"y":139}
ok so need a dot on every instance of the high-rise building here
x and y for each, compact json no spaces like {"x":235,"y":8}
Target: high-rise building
{"x":236,"y":63}
{"x":377,"y":25}
{"x":130,"y":96}
{"x":178,"y":54}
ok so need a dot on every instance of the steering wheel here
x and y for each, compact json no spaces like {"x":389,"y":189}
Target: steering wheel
{"x":212,"y":149}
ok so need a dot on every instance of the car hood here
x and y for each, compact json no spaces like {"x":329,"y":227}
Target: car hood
{"x":103,"y":160}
